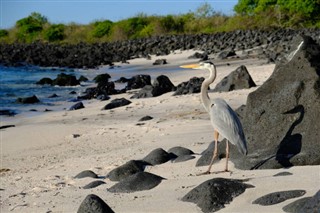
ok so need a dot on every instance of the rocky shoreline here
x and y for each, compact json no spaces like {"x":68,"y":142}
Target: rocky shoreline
{"x":265,"y":44}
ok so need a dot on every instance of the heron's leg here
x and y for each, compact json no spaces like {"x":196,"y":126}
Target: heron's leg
{"x":215,"y":151}
{"x":227,"y":155}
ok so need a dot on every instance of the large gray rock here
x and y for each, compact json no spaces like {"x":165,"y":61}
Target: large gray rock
{"x":238,"y":79}
{"x":213,"y":194}
{"x":94,"y":204}
{"x":281,"y":119}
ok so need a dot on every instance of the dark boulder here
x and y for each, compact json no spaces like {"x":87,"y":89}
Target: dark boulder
{"x":161,"y":85}
{"x":126,"y":170}
{"x":94,"y":184}
{"x":279,"y":114}
{"x":44,"y":81}
{"x":122,"y":80}
{"x":189,"y":87}
{"x":183,"y":158}
{"x":94,"y":204}
{"x":282,"y":174}
{"x":160,"y":62}
{"x":53,"y":96}
{"x":83,"y":79}
{"x":305,"y":205}
{"x":102,"y":78}
{"x":136,"y":182}
{"x":145,"y":92}
{"x":65,"y":80}
{"x":118,"y":102}
{"x":207,"y":154}
{"x":226,"y":53}
{"x":28,"y":100}
{"x":238,"y":79}
{"x":212,"y":195}
{"x":146,"y":118}
{"x":7,"y":126}
{"x":7,"y":112}
{"x":201,"y":56}
{"x":180,"y":151}
{"x":278,"y":197}
{"x":77,"y":106}
{"x":158,"y":156}
{"x":138,"y":81}
{"x":86,"y":173}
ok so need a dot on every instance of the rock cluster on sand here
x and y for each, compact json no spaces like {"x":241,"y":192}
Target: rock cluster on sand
{"x":273,"y":44}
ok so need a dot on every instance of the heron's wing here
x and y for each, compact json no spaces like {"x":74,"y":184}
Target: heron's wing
{"x":227,"y":123}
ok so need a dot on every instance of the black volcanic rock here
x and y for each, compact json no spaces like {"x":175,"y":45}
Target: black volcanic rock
{"x":278,"y":197}
{"x":238,"y":79}
{"x":274,"y":44}
{"x":94,"y":184}
{"x":65,"y":80}
{"x":188,"y":87}
{"x":158,"y":156}
{"x":212,"y":195}
{"x":126,"y":170}
{"x":94,"y":204}
{"x":136,"y":182}
{"x":305,"y":205}
{"x":138,"y":81}
{"x":160,"y":62}
{"x":161,"y":85}
{"x":146,"y":118}
{"x":28,"y":100}
{"x":77,"y":106}
{"x":118,"y":102}
{"x":179,"y":151}
{"x":279,"y":114}
{"x":86,"y":173}
{"x":43,"y":81}
{"x":102,"y":78}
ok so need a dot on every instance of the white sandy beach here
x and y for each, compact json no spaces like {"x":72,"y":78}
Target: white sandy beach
{"x":41,"y":154}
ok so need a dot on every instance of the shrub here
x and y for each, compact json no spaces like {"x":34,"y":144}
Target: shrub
{"x":3,"y":33}
{"x":54,"y":33}
{"x":102,"y":28}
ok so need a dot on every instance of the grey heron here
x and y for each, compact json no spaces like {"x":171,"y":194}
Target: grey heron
{"x":223,"y":119}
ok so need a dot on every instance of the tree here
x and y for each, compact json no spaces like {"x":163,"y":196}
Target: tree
{"x":293,"y":12}
{"x":30,"y":26}
{"x":205,"y":10}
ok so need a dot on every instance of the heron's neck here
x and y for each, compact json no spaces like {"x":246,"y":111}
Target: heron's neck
{"x":204,"y":88}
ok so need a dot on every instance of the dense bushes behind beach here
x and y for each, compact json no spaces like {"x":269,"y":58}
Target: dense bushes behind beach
{"x":264,"y":15}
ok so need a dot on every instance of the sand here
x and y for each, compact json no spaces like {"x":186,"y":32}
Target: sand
{"x":41,"y":154}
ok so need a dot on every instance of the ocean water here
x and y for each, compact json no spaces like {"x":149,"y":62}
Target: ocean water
{"x":18,"y":82}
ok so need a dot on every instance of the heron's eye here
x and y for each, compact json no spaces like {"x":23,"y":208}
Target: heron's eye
{"x":212,"y":105}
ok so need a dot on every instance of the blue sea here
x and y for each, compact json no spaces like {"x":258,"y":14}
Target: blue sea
{"x":18,"y":82}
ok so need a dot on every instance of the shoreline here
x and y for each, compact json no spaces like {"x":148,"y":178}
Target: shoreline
{"x":44,"y":153}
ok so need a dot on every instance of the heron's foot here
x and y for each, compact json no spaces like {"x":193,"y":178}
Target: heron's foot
{"x":204,"y":173}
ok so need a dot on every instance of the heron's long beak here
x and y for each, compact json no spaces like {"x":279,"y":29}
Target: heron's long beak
{"x":190,"y":66}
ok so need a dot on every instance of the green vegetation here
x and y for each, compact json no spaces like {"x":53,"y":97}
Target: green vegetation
{"x":249,"y":14}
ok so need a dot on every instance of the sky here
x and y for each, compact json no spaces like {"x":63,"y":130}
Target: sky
{"x":87,"y":11}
